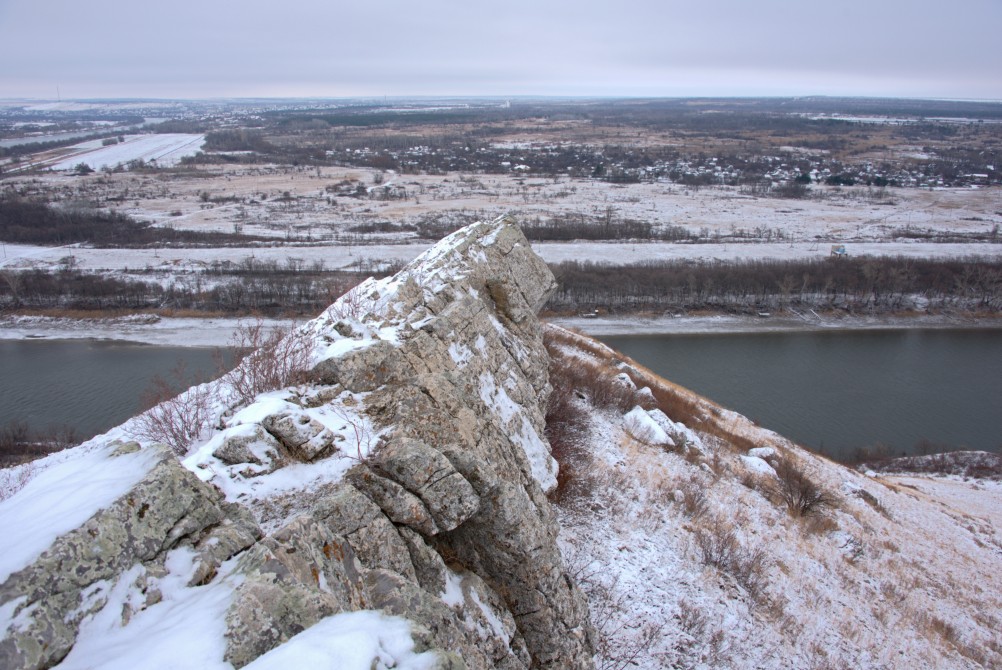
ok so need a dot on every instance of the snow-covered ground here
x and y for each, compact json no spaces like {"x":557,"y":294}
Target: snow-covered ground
{"x":692,"y":560}
{"x":278,"y":200}
{"x":166,"y":150}
{"x":303,"y":204}
{"x":350,"y":256}
{"x":296,"y":203}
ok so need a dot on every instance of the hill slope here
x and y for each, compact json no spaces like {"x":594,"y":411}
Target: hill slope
{"x":699,"y":546}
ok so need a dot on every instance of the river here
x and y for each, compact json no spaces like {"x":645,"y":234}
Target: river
{"x":833,"y":391}
{"x":837,"y":391}
{"x":89,"y":385}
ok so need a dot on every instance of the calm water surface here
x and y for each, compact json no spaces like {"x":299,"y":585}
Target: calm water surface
{"x":89,"y":385}
{"x":838,"y":391}
{"x":834,"y":391}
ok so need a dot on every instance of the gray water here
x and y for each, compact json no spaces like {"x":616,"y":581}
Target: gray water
{"x":831,"y":391}
{"x":839,"y":391}
{"x":88,"y":385}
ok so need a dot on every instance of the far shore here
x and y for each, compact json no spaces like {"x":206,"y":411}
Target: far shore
{"x":218,"y":331}
{"x":729,"y":323}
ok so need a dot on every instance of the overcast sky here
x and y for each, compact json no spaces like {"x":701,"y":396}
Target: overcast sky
{"x":315,"y":48}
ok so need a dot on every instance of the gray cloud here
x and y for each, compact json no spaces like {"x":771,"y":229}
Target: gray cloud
{"x":637,"y":47}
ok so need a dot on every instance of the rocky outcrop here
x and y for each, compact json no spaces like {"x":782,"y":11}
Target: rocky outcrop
{"x":70,"y":580}
{"x":424,"y":467}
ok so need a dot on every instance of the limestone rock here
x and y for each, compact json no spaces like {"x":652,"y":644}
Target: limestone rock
{"x":168,"y":505}
{"x":436,"y":625}
{"x":372,"y":536}
{"x":428,"y":564}
{"x":252,"y":445}
{"x":305,"y":438}
{"x":294,"y":578}
{"x":445,"y":523}
{"x":399,"y":504}
{"x":362,"y":369}
{"x":429,"y":475}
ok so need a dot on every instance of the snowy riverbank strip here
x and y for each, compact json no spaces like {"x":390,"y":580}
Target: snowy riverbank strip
{"x":218,"y":332}
{"x":140,"y":328}
{"x":724,"y":323}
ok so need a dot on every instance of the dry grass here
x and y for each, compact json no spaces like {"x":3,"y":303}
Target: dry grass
{"x":578,"y":385}
{"x":675,"y":401}
{"x":718,"y":545}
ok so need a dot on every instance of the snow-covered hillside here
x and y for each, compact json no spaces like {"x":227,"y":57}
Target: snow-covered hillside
{"x":691,"y":557}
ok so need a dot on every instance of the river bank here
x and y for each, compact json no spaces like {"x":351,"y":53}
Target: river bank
{"x":218,"y":331}
{"x":728,"y":323}
{"x":138,"y":328}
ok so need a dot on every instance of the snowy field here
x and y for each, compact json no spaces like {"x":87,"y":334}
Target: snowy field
{"x":303,"y":203}
{"x":165,"y":150}
{"x":351,"y":256}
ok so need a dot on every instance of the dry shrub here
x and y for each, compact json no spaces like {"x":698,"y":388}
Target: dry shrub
{"x":350,"y":305}
{"x":175,"y":419}
{"x":693,"y":499}
{"x":700,"y":643}
{"x":267,"y":359}
{"x":802,"y":496}
{"x":566,"y":431}
{"x":719,"y":547}
{"x":623,"y":637}
{"x":595,"y":381}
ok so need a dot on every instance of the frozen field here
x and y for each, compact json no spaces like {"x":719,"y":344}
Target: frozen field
{"x":376,"y":255}
{"x":304,"y":203}
{"x":165,"y":150}
{"x":296,"y":205}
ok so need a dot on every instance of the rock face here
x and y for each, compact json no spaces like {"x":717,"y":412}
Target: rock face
{"x":441,"y":519}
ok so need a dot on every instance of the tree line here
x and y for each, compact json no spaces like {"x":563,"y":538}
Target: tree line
{"x":855,"y":285}
{"x":271,"y":292}
{"x":27,"y":222}
{"x":858,"y":285}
